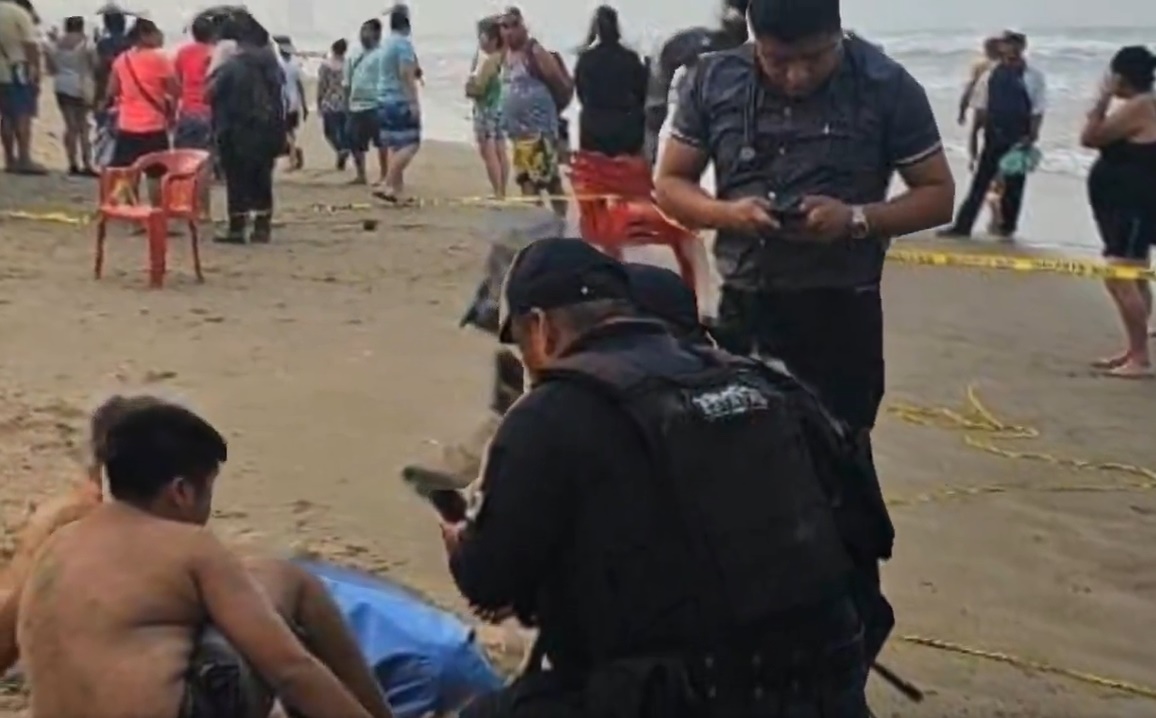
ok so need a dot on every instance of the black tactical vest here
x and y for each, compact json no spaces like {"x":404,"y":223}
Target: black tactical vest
{"x":745,"y":508}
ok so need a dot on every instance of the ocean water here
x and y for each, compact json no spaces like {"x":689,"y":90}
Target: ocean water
{"x":1070,"y":41}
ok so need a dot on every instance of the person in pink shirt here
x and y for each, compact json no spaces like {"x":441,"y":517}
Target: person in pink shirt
{"x":145,"y":91}
{"x":194,"y":128}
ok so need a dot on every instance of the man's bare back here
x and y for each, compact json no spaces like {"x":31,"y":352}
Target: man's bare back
{"x":109,"y":614}
{"x":108,"y":617}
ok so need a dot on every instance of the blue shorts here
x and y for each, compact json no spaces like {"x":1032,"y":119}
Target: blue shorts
{"x":398,"y":127}
{"x":17,"y":101}
{"x":193,"y":132}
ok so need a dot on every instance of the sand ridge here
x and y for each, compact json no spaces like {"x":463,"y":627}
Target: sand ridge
{"x":333,"y":357}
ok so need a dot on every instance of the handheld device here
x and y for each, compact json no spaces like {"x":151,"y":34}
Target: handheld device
{"x":450,"y":504}
{"x":787,"y":210}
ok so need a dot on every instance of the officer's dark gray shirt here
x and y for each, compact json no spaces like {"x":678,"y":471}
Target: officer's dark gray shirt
{"x":845,"y":141}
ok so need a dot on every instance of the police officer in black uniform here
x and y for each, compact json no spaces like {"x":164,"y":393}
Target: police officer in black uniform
{"x":660,"y":511}
{"x":661,"y":294}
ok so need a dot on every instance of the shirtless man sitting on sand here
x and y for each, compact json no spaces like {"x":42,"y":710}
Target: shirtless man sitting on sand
{"x":110,"y":618}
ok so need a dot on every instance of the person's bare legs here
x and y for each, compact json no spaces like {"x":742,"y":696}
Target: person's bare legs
{"x":493,"y":153}
{"x":71,"y":137}
{"x":305,"y":603}
{"x":8,"y":140}
{"x":1145,"y":288}
{"x":84,"y":137}
{"x":23,"y":130}
{"x":503,"y":155}
{"x":383,"y":154}
{"x":558,"y":199}
{"x":399,"y":160}
{"x":1134,"y":307}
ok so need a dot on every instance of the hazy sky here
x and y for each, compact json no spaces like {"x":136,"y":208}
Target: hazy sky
{"x":555,"y":19}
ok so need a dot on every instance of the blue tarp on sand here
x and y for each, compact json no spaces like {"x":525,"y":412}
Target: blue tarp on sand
{"x":424,"y":658}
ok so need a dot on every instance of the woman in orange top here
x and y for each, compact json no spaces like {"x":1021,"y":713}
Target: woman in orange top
{"x":144,"y":89}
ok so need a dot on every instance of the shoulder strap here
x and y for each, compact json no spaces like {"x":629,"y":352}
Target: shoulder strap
{"x":157,"y":105}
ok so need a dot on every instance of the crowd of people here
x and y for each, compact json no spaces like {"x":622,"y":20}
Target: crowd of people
{"x":1006,"y":98}
{"x":622,"y":505}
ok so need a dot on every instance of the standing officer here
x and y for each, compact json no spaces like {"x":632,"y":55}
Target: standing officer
{"x":682,"y":49}
{"x":626,"y":508}
{"x":806,"y":127}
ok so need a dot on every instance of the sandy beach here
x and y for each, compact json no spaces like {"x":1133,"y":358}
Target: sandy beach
{"x":332,"y":357}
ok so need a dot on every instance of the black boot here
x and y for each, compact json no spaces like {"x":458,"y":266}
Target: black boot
{"x":262,"y":228}
{"x":235,"y":234}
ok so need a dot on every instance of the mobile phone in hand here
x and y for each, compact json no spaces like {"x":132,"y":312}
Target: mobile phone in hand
{"x":786,"y":210}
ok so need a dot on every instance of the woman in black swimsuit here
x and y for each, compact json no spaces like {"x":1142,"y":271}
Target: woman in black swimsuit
{"x":1122,"y":192}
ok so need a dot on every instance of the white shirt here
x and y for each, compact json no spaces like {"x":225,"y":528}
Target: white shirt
{"x":1035,"y":84}
{"x":293,"y":99}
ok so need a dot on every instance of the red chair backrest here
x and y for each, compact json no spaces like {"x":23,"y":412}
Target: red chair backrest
{"x":625,"y":176}
{"x":183,"y":170}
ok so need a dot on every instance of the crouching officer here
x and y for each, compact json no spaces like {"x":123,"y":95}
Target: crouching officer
{"x":653,"y":507}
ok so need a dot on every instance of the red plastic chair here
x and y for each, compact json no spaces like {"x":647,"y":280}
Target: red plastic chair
{"x":616,"y":210}
{"x":185,"y":171}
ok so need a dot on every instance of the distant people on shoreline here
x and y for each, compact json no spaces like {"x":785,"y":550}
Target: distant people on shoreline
{"x":399,"y":105}
{"x":20,"y":64}
{"x":71,"y":60}
{"x":143,"y":85}
{"x":296,"y":109}
{"x":978,"y":73}
{"x":1009,"y":103}
{"x":532,"y":83}
{"x":332,"y":102}
{"x":362,"y":71}
{"x":247,"y":101}
{"x":484,"y":89}
{"x":1122,"y":194}
{"x":610,"y":80}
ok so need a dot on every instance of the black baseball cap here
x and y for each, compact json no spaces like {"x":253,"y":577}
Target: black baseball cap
{"x":558,"y":272}
{"x":662,"y":294}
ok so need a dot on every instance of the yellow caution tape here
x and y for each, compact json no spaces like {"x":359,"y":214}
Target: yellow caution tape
{"x":56,"y":217}
{"x":977,"y":419}
{"x":1057,"y":265}
{"x":1051,"y":265}
{"x":1033,"y":665}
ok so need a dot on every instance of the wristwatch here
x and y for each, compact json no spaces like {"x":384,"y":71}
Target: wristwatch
{"x":860,"y":227}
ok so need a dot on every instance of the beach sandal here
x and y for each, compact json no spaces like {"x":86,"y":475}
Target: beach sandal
{"x":385,"y":196}
{"x":1131,"y":371}
{"x":1113,"y":362}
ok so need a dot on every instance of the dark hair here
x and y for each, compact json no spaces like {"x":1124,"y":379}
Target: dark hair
{"x":74,"y":24}
{"x":1136,"y":65}
{"x":794,"y":20}
{"x":249,"y":31}
{"x":115,"y":22}
{"x":604,"y":27}
{"x":490,"y":27}
{"x":203,"y":29}
{"x":399,"y":19}
{"x":106,"y":416}
{"x":340,"y":47}
{"x":372,"y":24}
{"x":149,"y":447}
{"x":140,"y":28}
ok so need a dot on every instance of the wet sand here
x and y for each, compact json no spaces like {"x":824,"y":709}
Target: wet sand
{"x":332,"y":357}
